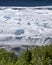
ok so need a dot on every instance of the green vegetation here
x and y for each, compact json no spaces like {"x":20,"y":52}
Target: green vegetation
{"x":39,"y":55}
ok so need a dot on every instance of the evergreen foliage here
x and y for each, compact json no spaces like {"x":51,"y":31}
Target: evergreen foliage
{"x":38,"y":55}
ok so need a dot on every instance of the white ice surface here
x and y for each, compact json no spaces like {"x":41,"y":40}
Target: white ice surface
{"x":25,"y":26}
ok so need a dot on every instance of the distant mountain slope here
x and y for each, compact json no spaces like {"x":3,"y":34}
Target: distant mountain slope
{"x":25,"y":2}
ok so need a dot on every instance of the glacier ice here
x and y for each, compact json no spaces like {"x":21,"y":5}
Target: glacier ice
{"x":25,"y":26}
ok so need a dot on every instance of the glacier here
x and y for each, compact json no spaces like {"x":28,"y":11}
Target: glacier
{"x":25,"y":26}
